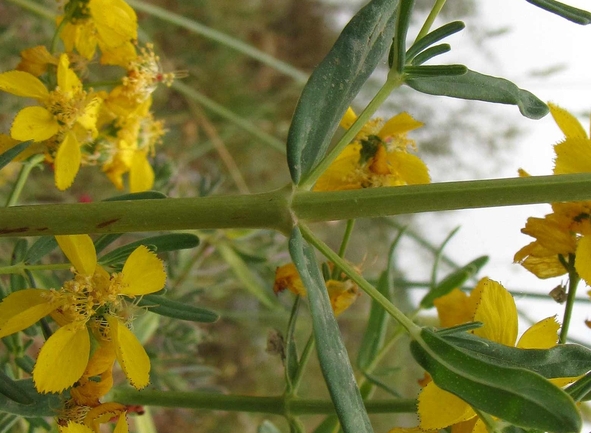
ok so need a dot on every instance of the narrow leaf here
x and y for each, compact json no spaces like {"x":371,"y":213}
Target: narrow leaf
{"x":578,"y":16}
{"x":473,"y":85}
{"x":429,"y":53}
{"x":291,"y":353}
{"x":178,"y":310}
{"x":11,"y":389}
{"x":160,"y":244}
{"x":13,"y":152}
{"x":581,"y":389}
{"x":333,"y":357}
{"x":516,"y":395}
{"x":433,"y":37}
{"x":42,"y":246}
{"x":335,"y":82}
{"x":453,"y":280}
{"x":398,"y":57}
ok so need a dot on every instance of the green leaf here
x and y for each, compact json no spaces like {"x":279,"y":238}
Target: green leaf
{"x":453,"y":280}
{"x":42,"y":246}
{"x":161,"y":243}
{"x":332,"y":355}
{"x":432,"y":71}
{"x":178,"y":310}
{"x":291,"y":353}
{"x":104,"y":241}
{"x":335,"y":82}
{"x":519,"y":396}
{"x":473,"y":85}
{"x":398,"y":52}
{"x":40,"y":404}
{"x":13,"y":152}
{"x":429,"y":53}
{"x":11,"y":389}
{"x":433,"y":37}
{"x":562,"y":360}
{"x":578,"y":16}
{"x":581,"y":389}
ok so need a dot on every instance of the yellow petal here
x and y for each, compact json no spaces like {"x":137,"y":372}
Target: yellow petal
{"x":542,"y":335}
{"x":479,"y":427}
{"x":348,"y":119}
{"x":86,"y":40}
{"x":341,"y":175}
{"x":141,"y":175}
{"x":132,"y":357}
{"x":21,"y":309}
{"x":288,"y":277}
{"x":465,"y":426}
{"x":399,"y":124}
{"x":583,"y":259}
{"x":80,"y":251}
{"x":62,"y":359}
{"x":103,"y":413}
{"x":74,"y":427}
{"x":498,"y":313}
{"x":573,"y":155}
{"x":454,"y":308}
{"x":115,"y":21}
{"x":120,"y":55}
{"x":568,"y":124}
{"x":551,"y":234}
{"x":35,"y":60}
{"x":34,"y":123}
{"x":67,"y":80}
{"x":21,"y":83}
{"x":121,"y":426}
{"x":342,"y":294}
{"x":408,"y":168}
{"x":67,"y":162}
{"x":143,"y":273}
{"x":438,"y":409}
{"x":89,"y":116}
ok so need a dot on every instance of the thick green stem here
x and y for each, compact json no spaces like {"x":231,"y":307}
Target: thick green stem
{"x":408,"y":324}
{"x":280,"y":209}
{"x":279,"y":405}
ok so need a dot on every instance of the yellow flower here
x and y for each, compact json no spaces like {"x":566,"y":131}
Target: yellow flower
{"x":110,"y":24}
{"x":377,"y":157}
{"x":93,"y":300}
{"x":491,"y":304}
{"x":342,"y":294}
{"x":567,"y":230}
{"x":85,"y":419}
{"x":66,"y":116}
{"x":136,"y":137}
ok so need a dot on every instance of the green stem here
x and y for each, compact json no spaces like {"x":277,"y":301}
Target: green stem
{"x":343,"y":248}
{"x":22,"y":179}
{"x":573,"y":282}
{"x":279,"y":405}
{"x":393,"y":82}
{"x":278,"y":210}
{"x":430,"y":19}
{"x":408,"y":324}
{"x":308,"y":349}
{"x":222,"y":111}
{"x":222,"y":38}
